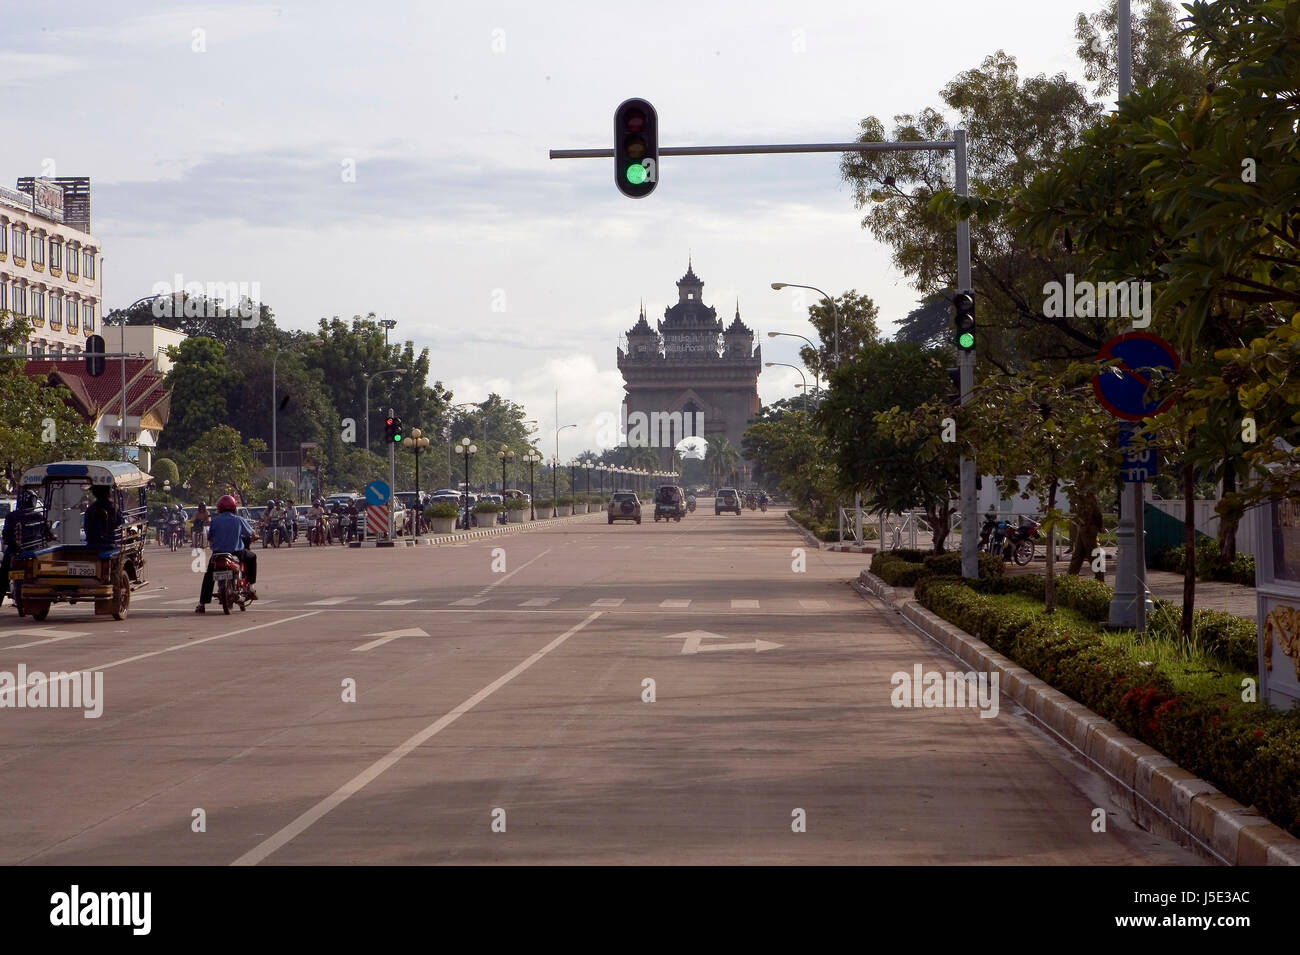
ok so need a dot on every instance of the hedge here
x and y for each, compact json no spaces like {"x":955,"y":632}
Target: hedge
{"x":1248,"y":751}
{"x":1240,"y":571}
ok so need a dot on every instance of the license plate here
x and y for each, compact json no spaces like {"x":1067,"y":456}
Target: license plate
{"x":82,"y":570}
{"x":223,"y":575}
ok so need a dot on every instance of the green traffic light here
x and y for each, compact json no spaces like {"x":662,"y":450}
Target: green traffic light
{"x":966,"y":341}
{"x":397,"y":438}
{"x":635,"y":174}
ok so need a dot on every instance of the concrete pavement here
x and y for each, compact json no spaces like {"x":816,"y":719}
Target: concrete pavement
{"x":500,"y":715}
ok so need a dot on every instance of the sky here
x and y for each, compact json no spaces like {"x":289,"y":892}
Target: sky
{"x":392,"y":157}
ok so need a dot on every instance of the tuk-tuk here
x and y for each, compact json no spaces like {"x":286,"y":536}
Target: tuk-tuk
{"x":56,"y":563}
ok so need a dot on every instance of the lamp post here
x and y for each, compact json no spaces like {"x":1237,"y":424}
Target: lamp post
{"x":770,"y":364}
{"x":122,"y":347}
{"x":817,"y":385}
{"x":555,"y":463}
{"x":466,"y":448}
{"x":387,"y":323}
{"x":589,"y":466}
{"x":777,"y":286}
{"x":505,"y":454}
{"x":418,"y":442}
{"x":368,"y":379}
{"x":532,"y":457}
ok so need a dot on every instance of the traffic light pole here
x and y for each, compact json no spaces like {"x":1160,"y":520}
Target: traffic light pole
{"x":965,"y":359}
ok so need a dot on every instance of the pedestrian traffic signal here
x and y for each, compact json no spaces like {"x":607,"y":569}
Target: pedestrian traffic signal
{"x":636,"y":148}
{"x":964,"y":320}
{"x":95,"y":356}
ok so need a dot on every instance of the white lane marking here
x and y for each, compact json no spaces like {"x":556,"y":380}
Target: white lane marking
{"x":469,"y":601}
{"x":379,"y":767}
{"x":395,"y":603}
{"x":608,"y":602}
{"x":330,"y":601}
{"x":51,"y":634}
{"x":182,"y":646}
{"x":539,"y":601}
{"x":744,"y":605}
{"x":675,"y":604}
{"x":387,"y":636}
{"x":814,"y":604}
{"x":497,"y":583}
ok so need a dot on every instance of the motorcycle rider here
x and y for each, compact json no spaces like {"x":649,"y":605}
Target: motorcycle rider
{"x":14,"y":537}
{"x":229,"y":534}
{"x":351,"y":515}
{"x":272,"y":518}
{"x":175,"y":524}
{"x":201,"y":520}
{"x":316,"y":517}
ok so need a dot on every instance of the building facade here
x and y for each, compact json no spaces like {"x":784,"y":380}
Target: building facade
{"x":50,"y":263}
{"x":690,"y":372}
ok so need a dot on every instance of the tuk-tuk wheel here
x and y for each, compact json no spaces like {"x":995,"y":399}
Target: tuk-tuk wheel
{"x":39,"y":609}
{"x":121,"y":596}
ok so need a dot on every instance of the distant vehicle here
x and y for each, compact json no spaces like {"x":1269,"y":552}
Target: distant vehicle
{"x":727,"y":499}
{"x":344,"y":498}
{"x":412,"y":498}
{"x":670,"y":503}
{"x":624,"y":506}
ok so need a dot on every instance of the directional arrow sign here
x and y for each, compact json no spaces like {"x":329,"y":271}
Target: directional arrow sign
{"x":694,"y":642}
{"x":389,"y":635}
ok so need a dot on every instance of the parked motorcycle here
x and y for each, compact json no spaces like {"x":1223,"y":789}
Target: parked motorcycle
{"x":230,"y":582}
{"x":1019,"y":545}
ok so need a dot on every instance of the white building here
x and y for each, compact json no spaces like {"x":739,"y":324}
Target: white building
{"x":50,"y":263}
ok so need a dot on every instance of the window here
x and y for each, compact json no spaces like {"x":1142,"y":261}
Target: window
{"x":88,"y":317}
{"x":20,"y":300}
{"x":38,"y":250}
{"x":56,"y":254}
{"x":4,"y":295}
{"x":56,"y":311}
{"x":38,"y":307}
{"x":88,"y":264}
{"x":20,"y":243}
{"x":72,"y":315}
{"x":72,"y":261}
{"x":4,"y":236}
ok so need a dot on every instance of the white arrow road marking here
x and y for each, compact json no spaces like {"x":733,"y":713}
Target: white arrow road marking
{"x":389,"y":635}
{"x":469,"y":602}
{"x":329,"y":601}
{"x":396,"y":603}
{"x":52,"y":635}
{"x":694,"y":638}
{"x":744,"y":605}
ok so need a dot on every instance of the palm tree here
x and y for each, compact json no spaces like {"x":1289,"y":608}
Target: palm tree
{"x":722,"y":459}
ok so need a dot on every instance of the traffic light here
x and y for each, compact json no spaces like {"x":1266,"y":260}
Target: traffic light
{"x":636,"y":148}
{"x":396,"y":424}
{"x":964,"y":320}
{"x":388,"y":429}
{"x":95,"y":356}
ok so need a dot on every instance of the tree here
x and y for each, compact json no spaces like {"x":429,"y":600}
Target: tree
{"x":164,"y":471}
{"x":1158,"y":51}
{"x":929,"y":323}
{"x":199,"y":380}
{"x":857,"y":328}
{"x":721,"y":459}
{"x":219,"y":462}
{"x":887,"y":377}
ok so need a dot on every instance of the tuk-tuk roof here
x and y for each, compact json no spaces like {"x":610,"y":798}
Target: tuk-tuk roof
{"x":120,"y":474}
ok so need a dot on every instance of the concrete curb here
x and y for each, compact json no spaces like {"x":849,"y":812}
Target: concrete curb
{"x":1157,"y":794}
{"x":842,"y":548}
{"x":809,"y":538}
{"x":501,"y":530}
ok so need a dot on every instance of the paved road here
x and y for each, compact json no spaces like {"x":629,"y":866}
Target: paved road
{"x":503,"y":679}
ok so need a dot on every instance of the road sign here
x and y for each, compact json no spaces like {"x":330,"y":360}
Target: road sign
{"x":1139,"y":457}
{"x":376,"y":520}
{"x":694,"y":642}
{"x":1122,"y":390}
{"x":377,"y":492}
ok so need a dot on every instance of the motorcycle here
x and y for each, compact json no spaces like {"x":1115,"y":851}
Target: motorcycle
{"x":762,"y":505}
{"x":690,"y":505}
{"x":175,"y":536}
{"x":992,"y":535}
{"x":1019,"y":545}
{"x":230,"y":582}
{"x":318,"y":533}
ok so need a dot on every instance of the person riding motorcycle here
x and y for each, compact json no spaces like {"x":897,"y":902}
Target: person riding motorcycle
{"x":690,"y":503}
{"x":15,"y":536}
{"x":229,"y":534}
{"x":272,"y":518}
{"x":352,"y":515}
{"x":174,"y":523}
{"x":201,"y":520}
{"x":316,"y":517}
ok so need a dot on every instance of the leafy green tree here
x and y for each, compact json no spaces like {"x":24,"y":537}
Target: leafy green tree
{"x":165,"y":470}
{"x":858,"y":316}
{"x":200,"y":380}
{"x":930,"y":323}
{"x":887,"y":377}
{"x":1159,"y":53}
{"x":722,"y":460}
{"x":220,"y":462}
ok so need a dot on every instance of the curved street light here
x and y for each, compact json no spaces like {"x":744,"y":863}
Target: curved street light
{"x":777,"y":286}
{"x":771,"y":364}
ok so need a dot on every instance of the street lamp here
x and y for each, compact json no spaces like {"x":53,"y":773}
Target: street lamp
{"x":777,"y":286}
{"x":588,"y":466}
{"x":368,"y":379}
{"x":817,"y":386}
{"x":555,"y":463}
{"x":770,"y":364}
{"x":387,"y":323}
{"x":122,"y":349}
{"x":417,"y":442}
{"x":467,"y":449}
{"x":532,"y":457}
{"x":505,"y":454}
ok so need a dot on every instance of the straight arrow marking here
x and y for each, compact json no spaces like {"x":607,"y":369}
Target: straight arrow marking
{"x":387,"y":636}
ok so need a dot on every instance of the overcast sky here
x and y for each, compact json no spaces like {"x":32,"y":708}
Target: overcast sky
{"x":227,"y":164}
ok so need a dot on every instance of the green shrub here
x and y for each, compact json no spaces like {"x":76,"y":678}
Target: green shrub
{"x":895,"y":571}
{"x":949,"y":564}
{"x":442,"y":509}
{"x":515,"y":504}
{"x":487,"y":507}
{"x":1249,"y":752}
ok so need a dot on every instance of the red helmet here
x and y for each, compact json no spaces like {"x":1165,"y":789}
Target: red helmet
{"x":227,"y":503}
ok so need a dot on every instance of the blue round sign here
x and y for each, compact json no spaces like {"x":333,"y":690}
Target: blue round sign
{"x":377,"y":493}
{"x":1122,"y":389}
